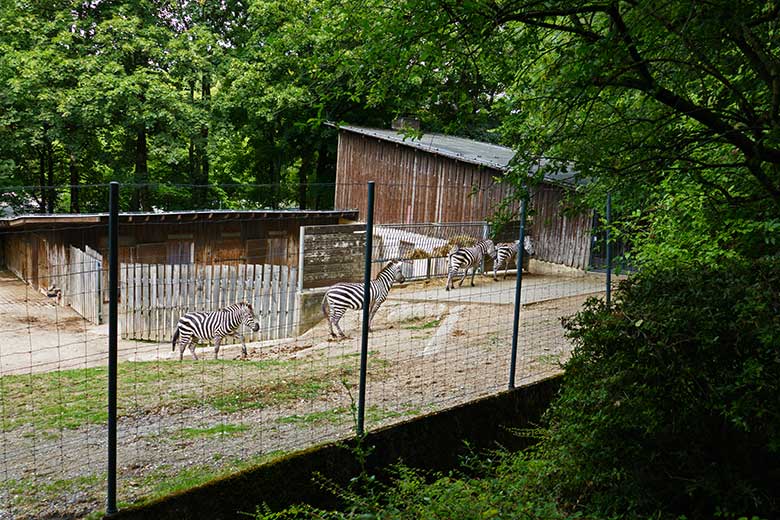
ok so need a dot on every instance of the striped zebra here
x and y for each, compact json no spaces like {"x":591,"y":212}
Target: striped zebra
{"x":506,"y":251}
{"x":467,"y":258}
{"x":198,"y":326}
{"x":343,"y":296}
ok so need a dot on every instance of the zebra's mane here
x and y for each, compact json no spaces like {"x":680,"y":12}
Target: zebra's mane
{"x":388,"y":267}
{"x":238,"y":305}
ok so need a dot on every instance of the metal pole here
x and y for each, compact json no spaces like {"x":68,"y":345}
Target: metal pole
{"x":518,"y":290}
{"x":113,"y":294}
{"x":366,"y":308}
{"x":609,"y":249}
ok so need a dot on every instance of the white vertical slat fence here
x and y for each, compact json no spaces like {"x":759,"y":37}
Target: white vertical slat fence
{"x":84,"y":292}
{"x":154,"y":296}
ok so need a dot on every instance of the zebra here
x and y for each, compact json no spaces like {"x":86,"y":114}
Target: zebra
{"x":195,"y":326}
{"x":468,"y":258}
{"x":507,"y":250}
{"x":343,"y":296}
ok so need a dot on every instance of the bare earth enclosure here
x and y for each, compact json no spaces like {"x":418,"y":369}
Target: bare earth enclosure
{"x":181,"y":423}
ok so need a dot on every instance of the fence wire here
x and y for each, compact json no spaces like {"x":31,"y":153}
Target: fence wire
{"x":181,"y":423}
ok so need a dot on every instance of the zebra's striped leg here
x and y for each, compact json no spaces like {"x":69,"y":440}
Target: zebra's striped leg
{"x":449,"y":280}
{"x":217,"y":341}
{"x":189,"y":342}
{"x":465,"y":274}
{"x":374,"y":308}
{"x":183,"y":342}
{"x":341,"y":332}
{"x":335,"y":321}
{"x":243,"y":348}
{"x":473,"y":274}
{"x":495,"y":268}
{"x":326,"y":311}
{"x":333,"y":317}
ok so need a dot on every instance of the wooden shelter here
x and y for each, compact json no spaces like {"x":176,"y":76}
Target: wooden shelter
{"x":446,"y":179}
{"x":32,"y":244}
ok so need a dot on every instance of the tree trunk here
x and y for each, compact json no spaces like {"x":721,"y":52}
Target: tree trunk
{"x":74,"y":184}
{"x":42,"y":180}
{"x":204,"y":142}
{"x":273,"y":175}
{"x":307,"y":164}
{"x":52,"y":198}
{"x":321,"y":177}
{"x":140,"y":200}
{"x":192,"y":156}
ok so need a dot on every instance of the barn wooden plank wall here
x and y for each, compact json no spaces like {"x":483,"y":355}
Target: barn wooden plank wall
{"x":412,"y":185}
{"x":154,"y":296}
{"x":17,"y":255}
{"x":561,"y":237}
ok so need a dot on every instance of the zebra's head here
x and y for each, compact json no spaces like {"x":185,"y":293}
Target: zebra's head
{"x":394,"y":269}
{"x":399,"y":276}
{"x":529,"y":245}
{"x":391,"y":273}
{"x":248,"y":316}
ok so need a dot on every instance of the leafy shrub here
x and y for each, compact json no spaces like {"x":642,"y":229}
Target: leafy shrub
{"x":670,"y":409}
{"x":499,"y":488}
{"x":671,"y":400}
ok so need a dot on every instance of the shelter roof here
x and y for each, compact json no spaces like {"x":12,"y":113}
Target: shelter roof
{"x":173,"y":217}
{"x":461,"y":149}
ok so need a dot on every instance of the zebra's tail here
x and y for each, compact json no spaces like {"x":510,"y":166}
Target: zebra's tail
{"x":175,"y":338}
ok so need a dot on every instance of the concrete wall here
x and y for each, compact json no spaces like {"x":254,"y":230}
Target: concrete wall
{"x":433,"y":442}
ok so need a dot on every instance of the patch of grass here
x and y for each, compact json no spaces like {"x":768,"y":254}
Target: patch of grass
{"x":353,"y":366}
{"x":272,"y":393}
{"x":432,"y":324}
{"x":377,"y":414}
{"x":70,"y":399}
{"x":548,"y":359}
{"x":216,"y":430}
{"x":28,"y":493}
{"x":169,"y":479}
{"x":332,"y":416}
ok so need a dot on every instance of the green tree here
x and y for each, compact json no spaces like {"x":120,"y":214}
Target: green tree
{"x":673,"y":107}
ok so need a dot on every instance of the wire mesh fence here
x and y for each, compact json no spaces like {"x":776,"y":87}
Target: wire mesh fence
{"x":183,"y":422}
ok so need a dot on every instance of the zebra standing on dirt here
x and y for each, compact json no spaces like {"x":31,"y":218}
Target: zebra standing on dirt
{"x":343,"y":296}
{"x":505,"y":251}
{"x":195,"y":326}
{"x":468,"y":258}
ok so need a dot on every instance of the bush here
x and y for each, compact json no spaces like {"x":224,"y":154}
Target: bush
{"x":671,"y":400}
{"x":670,"y":409}
{"x":498,"y":488}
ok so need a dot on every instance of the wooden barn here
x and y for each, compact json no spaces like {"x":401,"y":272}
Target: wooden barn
{"x":198,"y":237}
{"x":446,"y":179}
{"x":67,"y":254}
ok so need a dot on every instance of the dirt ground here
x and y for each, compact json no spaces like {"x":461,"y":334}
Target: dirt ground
{"x":429,"y":350}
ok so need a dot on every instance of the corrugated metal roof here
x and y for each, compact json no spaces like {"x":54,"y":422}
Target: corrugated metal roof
{"x":170,"y":216}
{"x":460,"y":149}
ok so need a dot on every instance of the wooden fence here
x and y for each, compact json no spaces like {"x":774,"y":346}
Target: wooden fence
{"x":84,"y":292}
{"x":154,"y":296}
